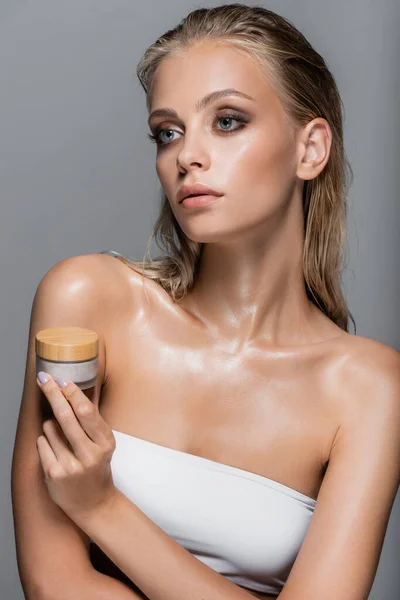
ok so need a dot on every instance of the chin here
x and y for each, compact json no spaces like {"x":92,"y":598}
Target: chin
{"x":208,"y":235}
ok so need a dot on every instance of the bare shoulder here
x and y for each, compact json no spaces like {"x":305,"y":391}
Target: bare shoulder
{"x":370,"y":378}
{"x":98,"y":268}
{"x":362,"y":477}
{"x":101,"y":277}
{"x":369,"y":360}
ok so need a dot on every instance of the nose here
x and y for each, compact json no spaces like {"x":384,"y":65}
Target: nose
{"x":193,"y":153}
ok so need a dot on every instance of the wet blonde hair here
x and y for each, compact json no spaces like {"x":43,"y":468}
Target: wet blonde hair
{"x":307,"y":90}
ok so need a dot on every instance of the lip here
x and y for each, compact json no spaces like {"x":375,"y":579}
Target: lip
{"x":199,"y":189}
{"x":199,"y":201}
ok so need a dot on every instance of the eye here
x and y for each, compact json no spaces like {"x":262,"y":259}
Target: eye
{"x":227,"y":117}
{"x":156,"y":137}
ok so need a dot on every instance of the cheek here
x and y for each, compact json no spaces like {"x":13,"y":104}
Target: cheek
{"x":262,"y":170}
{"x":160,"y":170}
{"x":165,"y":172}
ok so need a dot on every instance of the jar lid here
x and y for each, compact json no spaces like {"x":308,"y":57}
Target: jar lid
{"x":68,"y":344}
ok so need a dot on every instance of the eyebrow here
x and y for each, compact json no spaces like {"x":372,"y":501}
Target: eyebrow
{"x":202,"y":104}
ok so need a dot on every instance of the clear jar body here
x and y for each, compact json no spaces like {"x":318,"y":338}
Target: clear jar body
{"x":82,"y":373}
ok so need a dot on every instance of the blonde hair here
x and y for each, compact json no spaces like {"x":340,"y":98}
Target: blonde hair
{"x":307,"y":90}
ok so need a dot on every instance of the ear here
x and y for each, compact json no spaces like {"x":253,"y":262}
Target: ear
{"x":314,"y":144}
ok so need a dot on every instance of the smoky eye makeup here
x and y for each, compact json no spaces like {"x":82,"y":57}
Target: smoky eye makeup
{"x":226,"y":107}
{"x":223,"y":112}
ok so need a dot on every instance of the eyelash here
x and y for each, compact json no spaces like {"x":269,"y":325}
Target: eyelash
{"x":234,"y":116}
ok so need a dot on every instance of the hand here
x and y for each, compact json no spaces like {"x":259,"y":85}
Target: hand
{"x":76,"y":451}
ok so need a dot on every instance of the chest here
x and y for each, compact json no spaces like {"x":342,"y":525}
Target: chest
{"x":267,"y":414}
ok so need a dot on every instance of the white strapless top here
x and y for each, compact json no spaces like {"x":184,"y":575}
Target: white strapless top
{"x":245,"y":526}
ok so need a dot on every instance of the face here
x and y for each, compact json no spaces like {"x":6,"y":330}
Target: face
{"x":241,"y":147}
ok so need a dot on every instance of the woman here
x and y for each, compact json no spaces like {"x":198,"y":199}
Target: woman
{"x":240,"y":423}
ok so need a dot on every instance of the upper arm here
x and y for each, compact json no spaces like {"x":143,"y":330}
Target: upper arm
{"x":340,"y":552}
{"x":47,"y":541}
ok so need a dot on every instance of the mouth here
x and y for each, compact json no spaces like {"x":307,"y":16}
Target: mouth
{"x":195,"y":190}
{"x":199,"y":200}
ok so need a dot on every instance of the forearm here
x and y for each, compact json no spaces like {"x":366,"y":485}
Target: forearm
{"x":97,"y":586}
{"x":103,"y":565}
{"x":104,"y":587}
{"x":155,"y":562}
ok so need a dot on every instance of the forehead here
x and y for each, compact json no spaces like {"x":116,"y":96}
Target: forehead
{"x":181,"y":80}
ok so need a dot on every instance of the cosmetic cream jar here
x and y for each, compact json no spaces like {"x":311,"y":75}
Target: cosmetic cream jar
{"x":70,"y":353}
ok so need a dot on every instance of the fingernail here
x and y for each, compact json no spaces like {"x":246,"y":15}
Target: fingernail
{"x":61,"y":382}
{"x":43,"y":378}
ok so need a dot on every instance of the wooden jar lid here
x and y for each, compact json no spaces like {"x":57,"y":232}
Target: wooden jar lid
{"x":67,"y":344}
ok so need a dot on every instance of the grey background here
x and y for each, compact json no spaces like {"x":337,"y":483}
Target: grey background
{"x":78,"y":176}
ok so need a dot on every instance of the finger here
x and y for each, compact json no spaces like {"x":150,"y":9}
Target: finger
{"x":88,"y":415}
{"x":63,"y":412}
{"x":46,"y":455}
{"x":61,"y":447}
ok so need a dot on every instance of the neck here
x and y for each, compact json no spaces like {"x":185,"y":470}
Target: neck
{"x":251,"y":289}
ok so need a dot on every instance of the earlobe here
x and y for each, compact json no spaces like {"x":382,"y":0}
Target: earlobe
{"x":315,"y":143}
